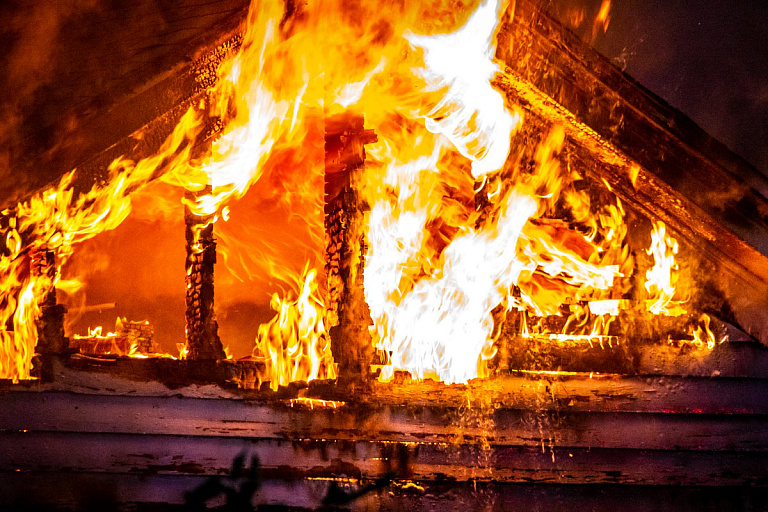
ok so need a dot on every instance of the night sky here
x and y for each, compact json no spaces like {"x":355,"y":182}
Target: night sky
{"x":707,"y":58}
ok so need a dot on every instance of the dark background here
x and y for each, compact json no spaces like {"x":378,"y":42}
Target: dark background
{"x":708,"y":59}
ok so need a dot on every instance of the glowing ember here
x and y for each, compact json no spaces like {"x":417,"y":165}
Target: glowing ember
{"x":132,"y":339}
{"x":316,"y":402}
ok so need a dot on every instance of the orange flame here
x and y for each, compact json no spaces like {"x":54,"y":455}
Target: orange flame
{"x":661,"y":279}
{"x":701,"y":332}
{"x":436,"y":266}
{"x":602,"y":19}
{"x":295,"y":345}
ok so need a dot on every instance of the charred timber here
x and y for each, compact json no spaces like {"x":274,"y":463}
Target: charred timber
{"x":348,"y":313}
{"x":202,"y":329}
{"x":50,"y":323}
{"x":655,"y":159}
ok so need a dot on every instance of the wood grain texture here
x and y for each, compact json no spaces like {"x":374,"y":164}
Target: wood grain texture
{"x":102,"y":72}
{"x":486,"y":441}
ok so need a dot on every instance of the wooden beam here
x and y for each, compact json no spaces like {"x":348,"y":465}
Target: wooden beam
{"x":654,"y":158}
{"x":348,"y":313}
{"x":472,"y":439}
{"x":202,"y":329}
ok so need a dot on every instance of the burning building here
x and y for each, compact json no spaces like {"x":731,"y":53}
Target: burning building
{"x":407,"y":250}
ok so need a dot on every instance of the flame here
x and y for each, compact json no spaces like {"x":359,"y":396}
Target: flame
{"x":471,"y":114}
{"x":295,"y":344}
{"x":56,"y":220}
{"x":602,"y":19}
{"x":128,"y":339}
{"x":464,"y":218}
{"x":661,"y":279}
{"x":455,"y":303}
{"x":431,"y":299}
{"x":701,"y":332}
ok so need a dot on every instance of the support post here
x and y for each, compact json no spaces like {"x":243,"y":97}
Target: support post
{"x":202,"y":330}
{"x":50,"y":323}
{"x":51,"y":341}
{"x":348,"y":313}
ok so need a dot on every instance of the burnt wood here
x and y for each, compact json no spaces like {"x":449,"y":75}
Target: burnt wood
{"x":50,"y":324}
{"x":202,"y":329}
{"x":654,"y":158}
{"x":348,"y":314}
{"x":573,"y":431}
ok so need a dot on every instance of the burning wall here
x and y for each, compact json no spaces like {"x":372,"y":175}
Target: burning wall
{"x":481,"y":207}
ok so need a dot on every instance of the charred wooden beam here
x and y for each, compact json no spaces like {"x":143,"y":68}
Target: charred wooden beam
{"x":654,"y":158}
{"x":348,"y":314}
{"x":668,"y":145}
{"x":51,"y":341}
{"x":202,"y":330}
{"x":50,"y":323}
{"x":133,"y":372}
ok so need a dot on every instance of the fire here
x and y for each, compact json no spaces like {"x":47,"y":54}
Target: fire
{"x":661,"y":279}
{"x":701,"y":333}
{"x":431,"y":300}
{"x":471,"y":114}
{"x":602,"y":19}
{"x":295,"y":345}
{"x":463,"y":217}
{"x":55,"y":220}
{"x":132,"y":339}
{"x":435,"y":269}
{"x":662,"y":285}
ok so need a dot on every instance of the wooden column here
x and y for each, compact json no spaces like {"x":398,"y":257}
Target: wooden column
{"x":50,"y":324}
{"x":348,"y":314}
{"x":51,"y":341}
{"x":202,"y":329}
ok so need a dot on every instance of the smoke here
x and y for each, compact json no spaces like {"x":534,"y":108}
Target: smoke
{"x":66,"y":62}
{"x":31,"y":32}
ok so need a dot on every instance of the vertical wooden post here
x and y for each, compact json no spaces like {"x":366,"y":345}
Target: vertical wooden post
{"x":50,"y":323}
{"x":51,"y":341}
{"x":202,"y":329}
{"x":348,"y":314}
